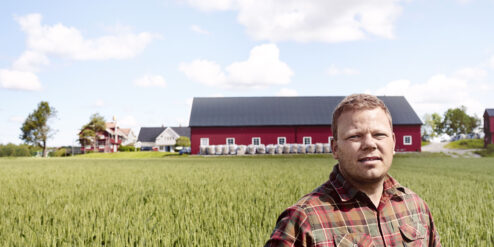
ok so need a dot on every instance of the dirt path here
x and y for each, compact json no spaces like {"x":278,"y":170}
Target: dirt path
{"x":438,"y":147}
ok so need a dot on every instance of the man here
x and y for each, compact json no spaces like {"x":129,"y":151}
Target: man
{"x":360,"y":204}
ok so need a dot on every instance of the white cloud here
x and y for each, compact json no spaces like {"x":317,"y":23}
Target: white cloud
{"x":16,"y":119}
{"x":440,"y":92}
{"x":19,"y":80}
{"x":287,"y":92}
{"x":198,"y":30}
{"x":150,"y":81}
{"x":68,"y":42}
{"x":316,"y":20}
{"x":58,"y":40}
{"x":30,"y":61}
{"x":261,"y":69}
{"x":491,"y":62}
{"x":464,"y":1}
{"x":334,"y":71}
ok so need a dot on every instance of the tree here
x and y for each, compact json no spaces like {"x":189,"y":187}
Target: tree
{"x":182,"y":141}
{"x":89,"y":131}
{"x":432,"y":125}
{"x":35,"y":129}
{"x":457,"y":121}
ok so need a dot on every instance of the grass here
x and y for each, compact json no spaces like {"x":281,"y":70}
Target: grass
{"x":466,"y":144}
{"x":425,"y":143}
{"x":126,"y":155}
{"x":212,"y":201}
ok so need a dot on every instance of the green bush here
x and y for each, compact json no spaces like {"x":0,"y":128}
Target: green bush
{"x":12,"y":150}
{"x":127,"y":148}
{"x":61,"y":152}
{"x":182,"y":141}
{"x":466,"y":144}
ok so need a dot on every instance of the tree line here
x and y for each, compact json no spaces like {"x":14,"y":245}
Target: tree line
{"x":453,"y":122}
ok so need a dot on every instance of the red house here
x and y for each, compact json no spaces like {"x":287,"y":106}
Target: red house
{"x":109,"y":140}
{"x":280,"y":120}
{"x":488,"y":127}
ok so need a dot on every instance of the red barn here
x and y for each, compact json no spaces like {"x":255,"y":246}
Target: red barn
{"x":488,"y":126}
{"x":280,"y":120}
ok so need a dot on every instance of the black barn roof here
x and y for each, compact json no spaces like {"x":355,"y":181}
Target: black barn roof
{"x":490,"y":112}
{"x":149,"y":134}
{"x":283,"y":111}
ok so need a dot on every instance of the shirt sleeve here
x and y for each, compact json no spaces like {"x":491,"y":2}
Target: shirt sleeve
{"x":292,"y":229}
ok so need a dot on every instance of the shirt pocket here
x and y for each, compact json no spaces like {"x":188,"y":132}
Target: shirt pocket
{"x":353,"y":240}
{"x":413,"y":233}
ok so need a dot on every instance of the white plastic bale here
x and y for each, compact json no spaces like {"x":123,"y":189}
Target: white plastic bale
{"x":232,"y":149}
{"x":211,"y":150}
{"x":294,"y":148}
{"x":270,"y":149}
{"x":224,"y":149}
{"x":251,"y":149}
{"x":319,"y":148}
{"x":241,"y":149}
{"x":202,"y":150}
{"x":327,"y":148}
{"x":286,"y":148}
{"x":302,"y":149}
{"x":219,"y":149}
{"x":279,"y":149}
{"x":261,"y":149}
{"x":310,"y":148}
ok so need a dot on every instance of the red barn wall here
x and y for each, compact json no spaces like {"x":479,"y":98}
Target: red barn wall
{"x":407,"y":130}
{"x":488,"y":130}
{"x":293,"y":134}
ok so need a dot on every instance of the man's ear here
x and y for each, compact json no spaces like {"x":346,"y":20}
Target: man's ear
{"x":334,"y":148}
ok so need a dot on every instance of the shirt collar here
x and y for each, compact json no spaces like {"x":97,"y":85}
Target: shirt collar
{"x":346,"y":191}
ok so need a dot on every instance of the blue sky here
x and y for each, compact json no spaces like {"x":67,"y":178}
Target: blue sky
{"x":144,"y":61}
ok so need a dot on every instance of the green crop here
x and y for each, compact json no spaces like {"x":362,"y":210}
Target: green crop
{"x":211,"y":201}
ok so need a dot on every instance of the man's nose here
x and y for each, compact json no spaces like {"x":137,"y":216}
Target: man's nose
{"x":368,"y":142}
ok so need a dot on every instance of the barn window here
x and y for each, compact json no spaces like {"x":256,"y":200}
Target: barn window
{"x":204,"y":141}
{"x":281,"y":140}
{"x":230,"y":141}
{"x":256,"y":140}
{"x":407,"y":140}
{"x":307,"y":140}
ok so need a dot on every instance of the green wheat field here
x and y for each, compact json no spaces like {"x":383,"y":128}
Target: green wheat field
{"x":212,"y":201}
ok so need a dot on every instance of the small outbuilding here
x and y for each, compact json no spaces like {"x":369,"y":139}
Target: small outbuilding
{"x":281,"y":120}
{"x":488,"y":127}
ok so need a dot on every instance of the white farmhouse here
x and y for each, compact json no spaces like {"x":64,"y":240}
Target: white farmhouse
{"x":161,"y":138}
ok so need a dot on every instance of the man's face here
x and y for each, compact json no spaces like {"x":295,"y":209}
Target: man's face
{"x":364,"y":145}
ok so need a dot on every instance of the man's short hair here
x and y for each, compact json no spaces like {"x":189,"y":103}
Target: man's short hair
{"x":357,"y":102}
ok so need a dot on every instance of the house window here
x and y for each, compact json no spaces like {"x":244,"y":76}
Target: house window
{"x":204,"y":141}
{"x":281,"y":140}
{"x":256,"y":140}
{"x":230,"y":141}
{"x":407,"y":140}
{"x":307,"y":140}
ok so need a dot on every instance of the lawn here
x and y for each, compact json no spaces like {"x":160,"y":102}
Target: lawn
{"x":212,"y":201}
{"x":466,"y":144}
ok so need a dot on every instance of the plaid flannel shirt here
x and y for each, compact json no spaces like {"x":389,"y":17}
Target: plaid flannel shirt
{"x":337,"y":214}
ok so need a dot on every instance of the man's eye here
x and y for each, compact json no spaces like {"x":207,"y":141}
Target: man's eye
{"x":380,"y":135}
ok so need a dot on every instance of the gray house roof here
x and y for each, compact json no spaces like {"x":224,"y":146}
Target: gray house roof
{"x":149,"y":134}
{"x":283,"y":111}
{"x":490,"y":112}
